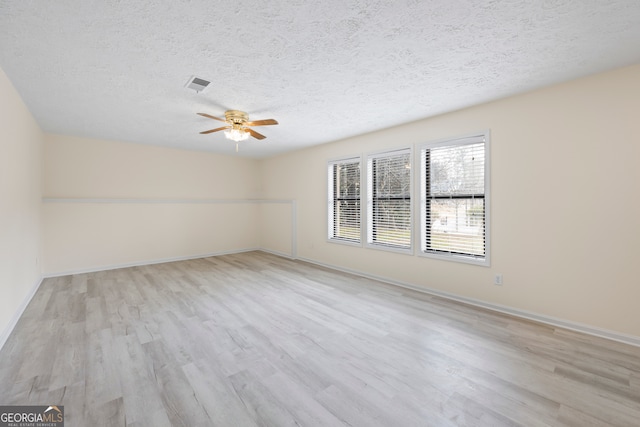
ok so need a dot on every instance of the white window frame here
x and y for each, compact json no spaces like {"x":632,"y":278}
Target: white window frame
{"x":483,"y":136}
{"x":330,"y":202}
{"x":369,"y":224}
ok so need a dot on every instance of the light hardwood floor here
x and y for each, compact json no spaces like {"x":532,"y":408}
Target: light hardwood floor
{"x":257,"y":340}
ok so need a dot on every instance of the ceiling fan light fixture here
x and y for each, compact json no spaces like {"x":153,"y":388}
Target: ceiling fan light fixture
{"x":236,"y":133}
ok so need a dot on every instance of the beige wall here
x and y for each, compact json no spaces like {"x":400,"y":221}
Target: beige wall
{"x":83,"y":167}
{"x":565,"y":179}
{"x":169,"y":204}
{"x":277,"y":227}
{"x":20,"y":205}
{"x":564,"y":212}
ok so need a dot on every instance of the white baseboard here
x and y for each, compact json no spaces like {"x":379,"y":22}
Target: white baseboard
{"x":277,"y":253}
{"x":147,"y":262}
{"x":549,"y":320}
{"x":18,"y":313}
{"x":164,"y":260}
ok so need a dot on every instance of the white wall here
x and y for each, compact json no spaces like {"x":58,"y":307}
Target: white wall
{"x":565,"y":206}
{"x":20,"y":205}
{"x":110,"y":203}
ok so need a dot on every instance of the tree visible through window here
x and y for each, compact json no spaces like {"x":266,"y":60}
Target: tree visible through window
{"x":344,"y":200}
{"x":389,"y":200}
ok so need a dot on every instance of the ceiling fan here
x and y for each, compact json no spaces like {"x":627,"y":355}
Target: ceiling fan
{"x":238,"y":126}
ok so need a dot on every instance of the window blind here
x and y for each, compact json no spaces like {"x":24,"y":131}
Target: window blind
{"x":389,"y":199}
{"x":453,"y":198}
{"x":344,"y":200}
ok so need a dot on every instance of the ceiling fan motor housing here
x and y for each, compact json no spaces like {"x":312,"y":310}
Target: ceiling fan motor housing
{"x":236,"y":117}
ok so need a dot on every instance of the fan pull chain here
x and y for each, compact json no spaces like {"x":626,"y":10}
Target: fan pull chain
{"x":236,"y":147}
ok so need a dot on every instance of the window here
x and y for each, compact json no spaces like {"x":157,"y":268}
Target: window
{"x":389,"y":200}
{"x":454,"y":205}
{"x":344,"y":200}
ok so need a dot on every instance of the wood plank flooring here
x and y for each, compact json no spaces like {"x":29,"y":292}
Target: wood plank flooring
{"x":257,"y":340}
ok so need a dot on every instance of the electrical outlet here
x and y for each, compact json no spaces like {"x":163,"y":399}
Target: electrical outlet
{"x":497,"y":280}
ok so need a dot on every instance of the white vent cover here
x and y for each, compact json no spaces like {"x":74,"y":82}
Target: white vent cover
{"x":197,"y":84}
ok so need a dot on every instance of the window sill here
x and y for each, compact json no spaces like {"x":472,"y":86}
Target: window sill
{"x":381,"y":247}
{"x":345,"y":242}
{"x":482,"y":262}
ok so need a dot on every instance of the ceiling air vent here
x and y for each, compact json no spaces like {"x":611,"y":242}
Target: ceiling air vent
{"x":197,"y":84}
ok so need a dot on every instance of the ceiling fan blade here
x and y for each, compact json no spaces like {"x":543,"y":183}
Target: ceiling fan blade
{"x":255,"y":134}
{"x":261,"y":122}
{"x":211,"y":117}
{"x":215,"y":130}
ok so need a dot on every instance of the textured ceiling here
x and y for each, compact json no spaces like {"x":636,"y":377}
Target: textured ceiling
{"x":325,"y":70}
